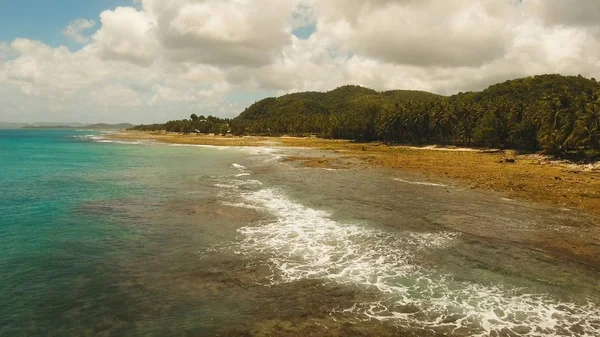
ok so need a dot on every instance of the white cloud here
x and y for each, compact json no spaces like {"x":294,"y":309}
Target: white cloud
{"x":116,"y":95}
{"x":128,"y":35}
{"x":568,"y":12}
{"x":303,"y":15}
{"x":5,"y":51}
{"x":424,"y":33}
{"x":167,"y":59}
{"x":75,"y":30}
{"x":226,"y":33}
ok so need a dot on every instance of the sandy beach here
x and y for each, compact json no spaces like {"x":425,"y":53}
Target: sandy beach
{"x":530,"y":177}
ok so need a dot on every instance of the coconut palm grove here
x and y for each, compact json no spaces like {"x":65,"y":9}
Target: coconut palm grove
{"x":555,"y":114}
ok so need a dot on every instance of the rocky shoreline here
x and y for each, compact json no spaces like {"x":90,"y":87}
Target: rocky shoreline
{"x":531,"y":177}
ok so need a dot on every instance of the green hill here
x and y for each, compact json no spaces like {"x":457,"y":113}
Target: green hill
{"x":350,"y":107}
{"x":549,"y":112}
{"x":554,"y":113}
{"x":401,"y":96}
{"x":531,"y":90}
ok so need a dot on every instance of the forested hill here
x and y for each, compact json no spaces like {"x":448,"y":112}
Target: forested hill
{"x":348,"y":112}
{"x":554,"y":113}
{"x":530,"y":90}
{"x":338,"y":100}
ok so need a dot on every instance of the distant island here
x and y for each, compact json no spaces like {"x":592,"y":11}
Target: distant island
{"x":48,"y":127}
{"x":554,"y":114}
{"x":99,"y":126}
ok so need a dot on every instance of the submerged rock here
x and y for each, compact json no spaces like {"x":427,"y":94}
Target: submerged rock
{"x":453,"y":318}
{"x":410,"y":308}
{"x":522,"y":330}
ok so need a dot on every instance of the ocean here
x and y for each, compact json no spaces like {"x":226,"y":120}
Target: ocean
{"x":134,"y":238}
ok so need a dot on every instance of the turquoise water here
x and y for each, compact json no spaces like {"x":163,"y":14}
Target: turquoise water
{"x":110,"y":238}
{"x":73,"y":212}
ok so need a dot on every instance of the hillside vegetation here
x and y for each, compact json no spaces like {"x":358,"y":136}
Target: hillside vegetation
{"x":554,"y":113}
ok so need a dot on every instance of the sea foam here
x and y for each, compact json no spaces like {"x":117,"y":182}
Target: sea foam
{"x":305,"y":243}
{"x":102,"y":139}
{"x":419,"y":183}
{"x":239,"y":167}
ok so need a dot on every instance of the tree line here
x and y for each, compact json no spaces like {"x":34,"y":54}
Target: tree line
{"x":552,"y":113}
{"x":196,"y":124}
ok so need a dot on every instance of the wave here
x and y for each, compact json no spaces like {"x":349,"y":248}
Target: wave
{"x":419,"y":183}
{"x":102,"y":139}
{"x":270,"y":154}
{"x":306,"y":243}
{"x":239,"y":167}
{"x":123,"y":142}
{"x":215,"y":147}
{"x":237,"y":184}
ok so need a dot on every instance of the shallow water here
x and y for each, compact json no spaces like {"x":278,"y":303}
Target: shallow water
{"x":143,"y":239}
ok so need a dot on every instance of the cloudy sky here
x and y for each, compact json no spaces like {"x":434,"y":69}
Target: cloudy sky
{"x":154,"y":60}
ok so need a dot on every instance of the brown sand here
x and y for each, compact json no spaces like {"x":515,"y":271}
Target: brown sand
{"x":530,"y":177}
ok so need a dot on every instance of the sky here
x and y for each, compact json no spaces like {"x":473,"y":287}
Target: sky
{"x":144,"y":61}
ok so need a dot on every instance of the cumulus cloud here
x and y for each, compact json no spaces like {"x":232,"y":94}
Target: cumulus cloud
{"x":235,"y":32}
{"x":427,"y":33}
{"x":75,"y":30}
{"x":5,"y":51}
{"x":167,"y":59}
{"x":127,"y":34}
{"x":569,"y":12}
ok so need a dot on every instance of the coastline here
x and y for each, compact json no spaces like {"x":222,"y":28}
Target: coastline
{"x":531,"y":177}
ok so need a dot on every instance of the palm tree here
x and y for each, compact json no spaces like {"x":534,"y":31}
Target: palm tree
{"x":589,"y":126}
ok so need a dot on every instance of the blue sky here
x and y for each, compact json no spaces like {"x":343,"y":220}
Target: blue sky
{"x":129,"y":73}
{"x":304,"y":32}
{"x":45,"y":19}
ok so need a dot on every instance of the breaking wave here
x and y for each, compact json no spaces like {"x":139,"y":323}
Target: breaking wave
{"x":419,"y":183}
{"x":102,"y":139}
{"x":239,"y":167}
{"x":305,"y":243}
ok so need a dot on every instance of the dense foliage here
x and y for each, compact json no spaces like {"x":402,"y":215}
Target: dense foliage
{"x":557,"y":114}
{"x":196,"y":124}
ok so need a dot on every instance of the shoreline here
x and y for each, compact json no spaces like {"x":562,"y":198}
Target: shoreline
{"x":531,"y":177}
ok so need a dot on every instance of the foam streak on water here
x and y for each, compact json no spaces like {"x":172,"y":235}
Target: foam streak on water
{"x":305,"y":243}
{"x":102,"y":139}
{"x":419,"y":183}
{"x":239,"y":167}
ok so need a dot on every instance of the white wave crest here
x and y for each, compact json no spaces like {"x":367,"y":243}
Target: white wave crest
{"x":270,"y":154}
{"x":213,"y":147}
{"x":305,"y":243}
{"x":122,"y":142}
{"x":102,"y":139}
{"x":239,"y":167}
{"x":236,"y":184}
{"x":419,"y":183}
